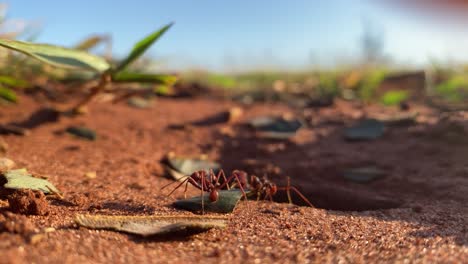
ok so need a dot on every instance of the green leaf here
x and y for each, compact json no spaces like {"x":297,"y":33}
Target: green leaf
{"x":227,"y":201}
{"x":141,"y":47}
{"x":13,"y":82}
{"x":90,"y":42}
{"x":22,"y":179}
{"x":144,"y":78}
{"x":152,"y":225}
{"x":58,"y":56}
{"x":8,"y":94}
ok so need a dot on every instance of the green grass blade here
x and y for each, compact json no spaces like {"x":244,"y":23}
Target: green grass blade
{"x":58,"y":56}
{"x":8,"y":94}
{"x":144,"y":78}
{"x":141,"y":47}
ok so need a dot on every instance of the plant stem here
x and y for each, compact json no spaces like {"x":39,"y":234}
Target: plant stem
{"x":104,"y":81}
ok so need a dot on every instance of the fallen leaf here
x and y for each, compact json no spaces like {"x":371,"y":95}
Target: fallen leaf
{"x":6,"y":164}
{"x":275,"y":127}
{"x":152,"y":225}
{"x":363,"y":174}
{"x":22,"y":179}
{"x":180,"y":167}
{"x":82,"y":132}
{"x":227,"y":201}
{"x":138,"y":102}
{"x":367,"y":129}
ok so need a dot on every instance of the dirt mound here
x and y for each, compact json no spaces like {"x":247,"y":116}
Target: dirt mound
{"x":28,"y":202}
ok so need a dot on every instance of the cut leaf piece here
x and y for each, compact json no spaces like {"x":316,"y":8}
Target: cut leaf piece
{"x":141,"y":47}
{"x":367,"y":129}
{"x":58,"y":56}
{"x":275,"y":127}
{"x":179,"y":167}
{"x":152,"y":225}
{"x":164,"y":79}
{"x":363,"y":174}
{"x":227,"y":201}
{"x":82,"y":132}
{"x":22,"y":179}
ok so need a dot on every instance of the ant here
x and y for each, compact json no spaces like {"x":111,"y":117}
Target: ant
{"x":266,"y":188}
{"x":210,"y":182}
{"x":261,"y":187}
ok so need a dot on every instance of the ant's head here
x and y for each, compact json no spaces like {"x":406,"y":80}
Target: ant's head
{"x":197,"y":175}
{"x":255,"y":182}
{"x":272,"y":189}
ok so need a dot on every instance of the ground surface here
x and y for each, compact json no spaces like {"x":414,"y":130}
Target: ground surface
{"x":418,"y":212}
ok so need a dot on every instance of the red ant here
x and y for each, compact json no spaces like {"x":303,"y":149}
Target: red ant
{"x":209,"y":182}
{"x":266,"y":188}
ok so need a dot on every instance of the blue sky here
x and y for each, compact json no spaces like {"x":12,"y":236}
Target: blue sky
{"x":245,"y":34}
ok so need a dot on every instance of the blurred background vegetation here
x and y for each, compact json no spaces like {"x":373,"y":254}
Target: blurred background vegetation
{"x":373,"y":78}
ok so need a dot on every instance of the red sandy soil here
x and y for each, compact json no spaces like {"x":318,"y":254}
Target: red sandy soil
{"x":416,"y":213}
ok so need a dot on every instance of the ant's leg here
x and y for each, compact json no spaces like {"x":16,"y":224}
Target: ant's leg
{"x":221,"y":174}
{"x":298,"y":193}
{"x":302,"y":196}
{"x":173,"y":182}
{"x":178,"y":186}
{"x":234,"y":176}
{"x":288,"y":190}
{"x":202,"y":194}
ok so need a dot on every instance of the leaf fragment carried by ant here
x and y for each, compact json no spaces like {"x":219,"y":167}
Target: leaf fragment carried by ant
{"x":152,"y":225}
{"x":227,"y":201}
{"x":22,"y":179}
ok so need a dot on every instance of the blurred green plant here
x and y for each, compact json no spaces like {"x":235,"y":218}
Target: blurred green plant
{"x":81,"y":60}
{"x":370,"y":83}
{"x":454,"y":89}
{"x":394,"y":97}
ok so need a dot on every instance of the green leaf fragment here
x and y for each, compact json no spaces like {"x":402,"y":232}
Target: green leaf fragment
{"x":152,"y":225}
{"x":58,"y":56}
{"x":227,"y":201}
{"x":22,"y":179}
{"x":164,"y":79}
{"x":141,"y":47}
